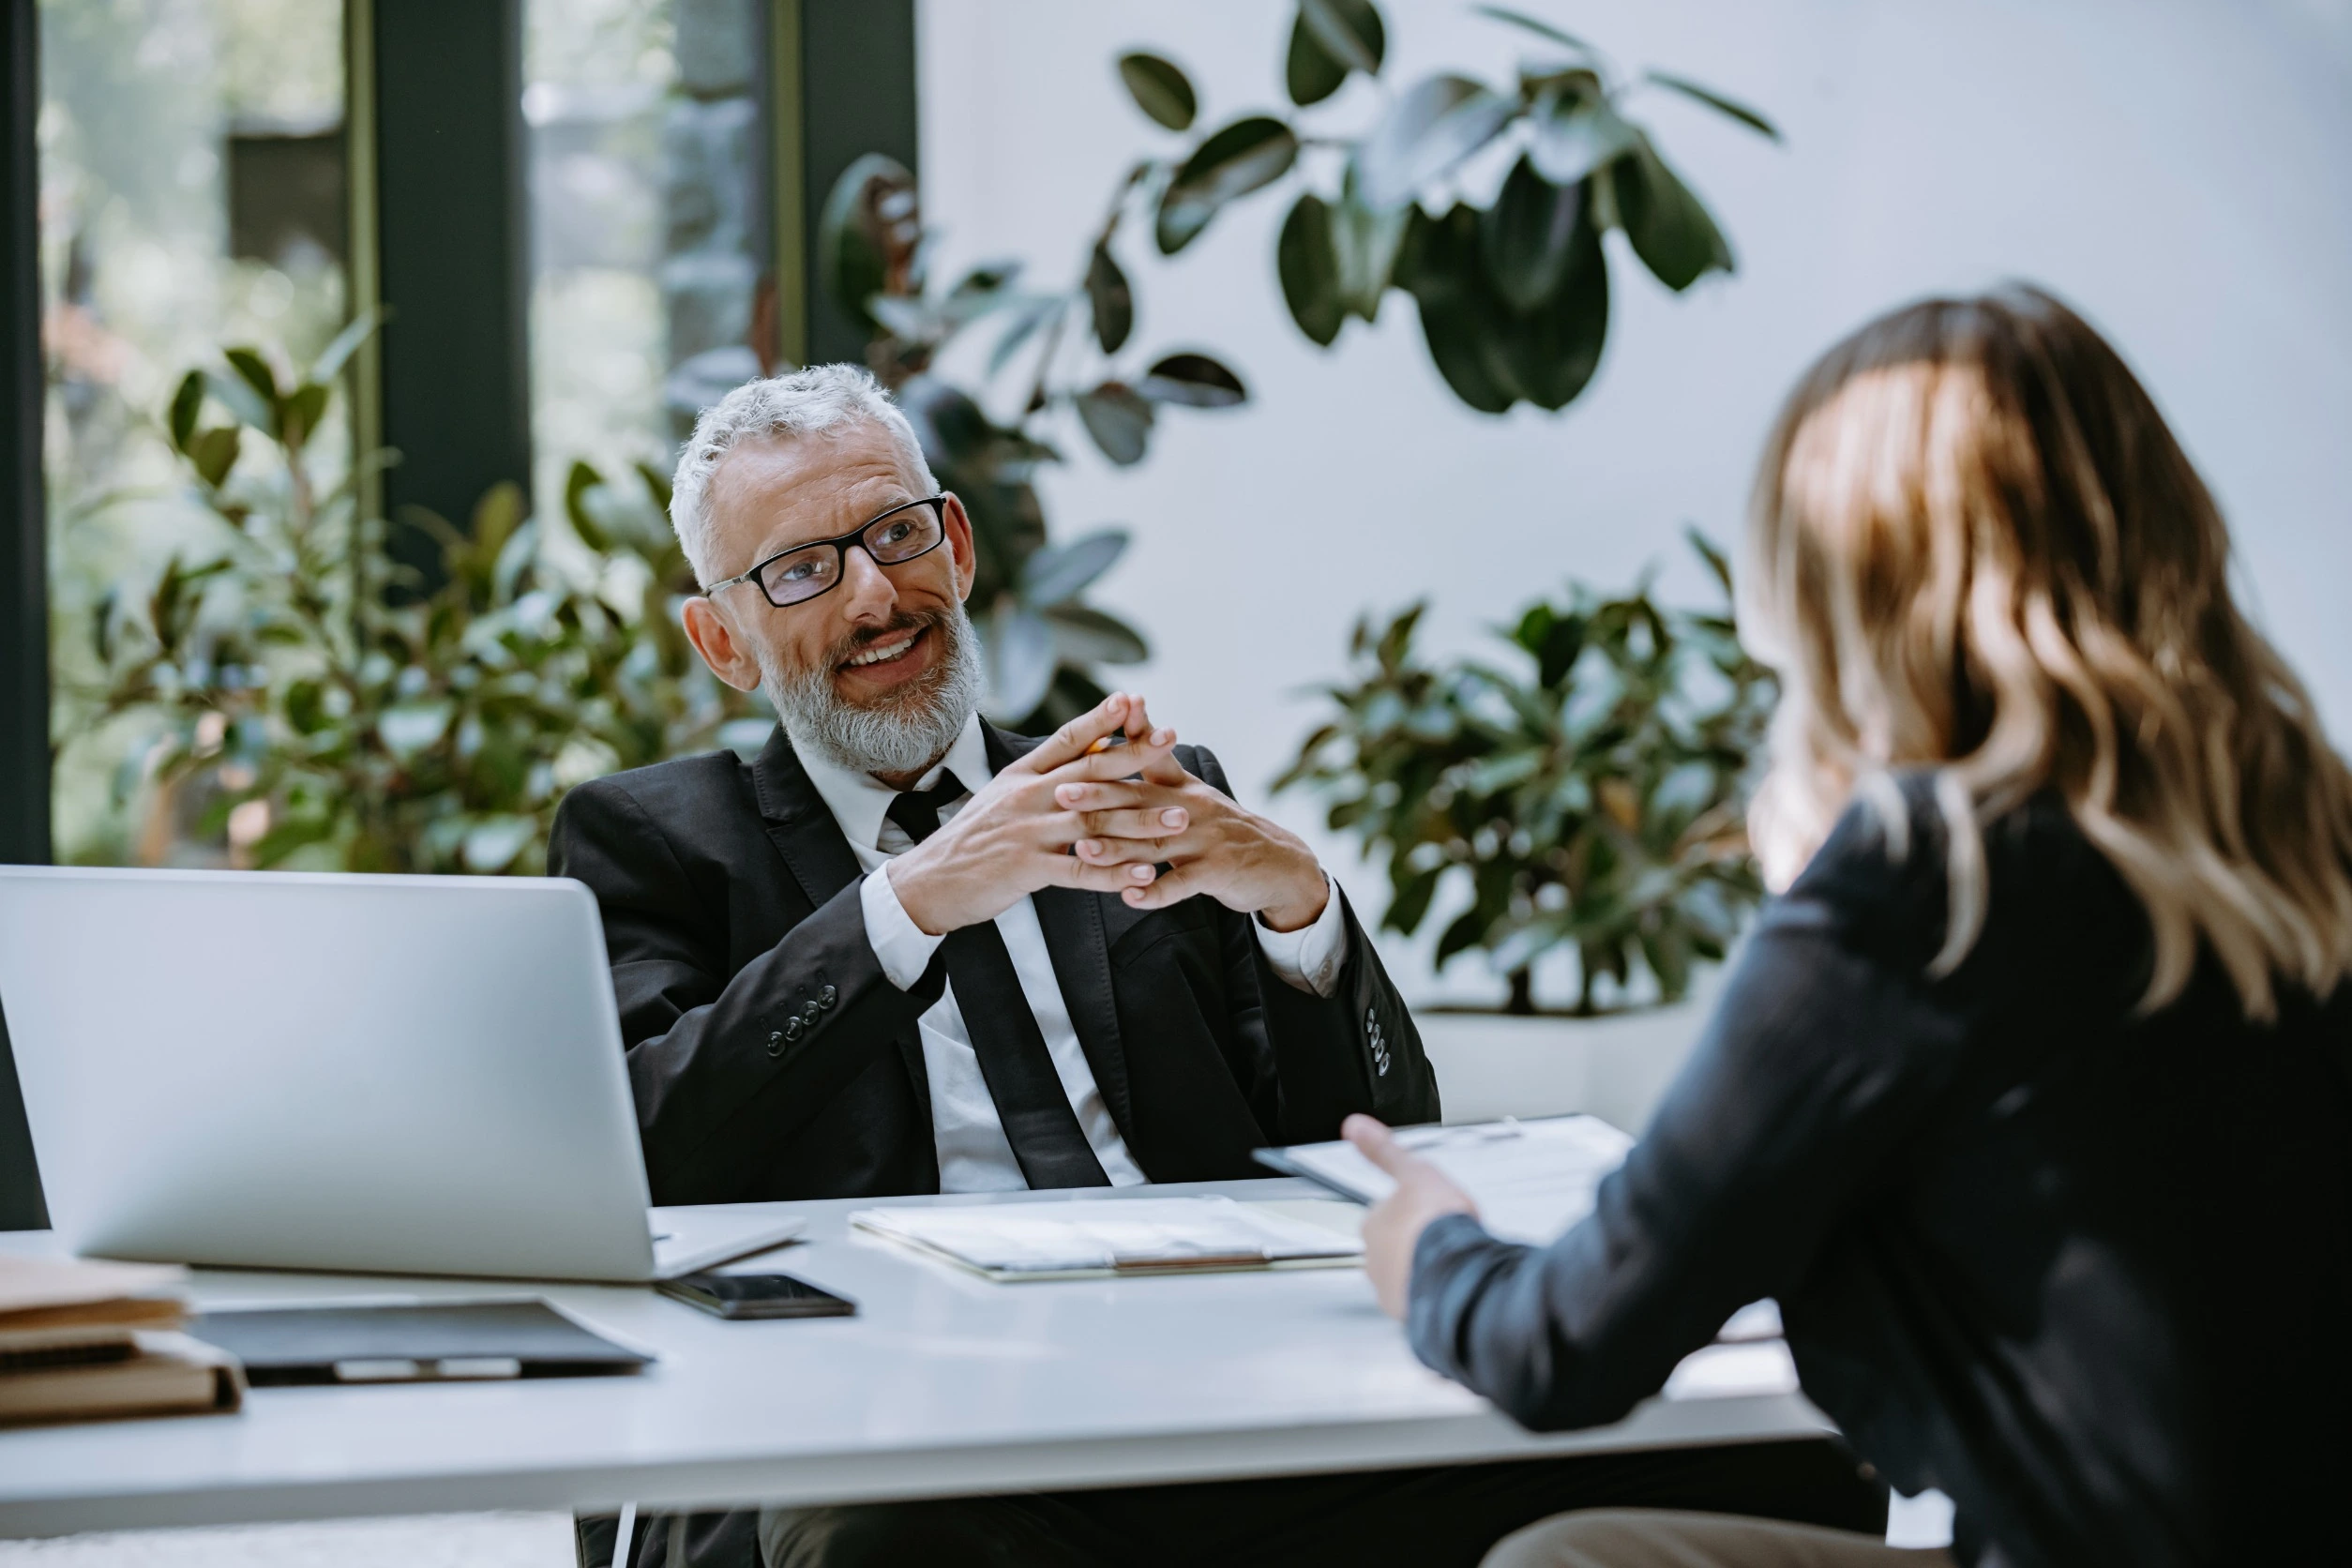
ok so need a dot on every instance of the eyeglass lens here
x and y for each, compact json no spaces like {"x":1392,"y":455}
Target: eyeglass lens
{"x":895,"y":536}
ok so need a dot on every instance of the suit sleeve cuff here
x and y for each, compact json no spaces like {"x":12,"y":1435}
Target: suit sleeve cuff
{"x":904,"y":948}
{"x":1310,"y":957}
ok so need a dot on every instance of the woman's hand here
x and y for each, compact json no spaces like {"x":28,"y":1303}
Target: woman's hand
{"x":1393,"y":1228}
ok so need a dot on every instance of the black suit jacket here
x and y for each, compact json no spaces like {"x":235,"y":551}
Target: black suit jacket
{"x":730,"y":906}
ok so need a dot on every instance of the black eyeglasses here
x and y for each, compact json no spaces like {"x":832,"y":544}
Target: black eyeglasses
{"x":797,"y":575}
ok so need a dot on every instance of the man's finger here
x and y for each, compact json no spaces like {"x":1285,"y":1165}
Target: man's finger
{"x":1164,"y":769}
{"x":1173,"y":887}
{"x":1119,"y":763}
{"x":1097,"y":797}
{"x":1155,"y":824}
{"x":1064,"y":870}
{"x":1070,"y":741}
{"x":1375,"y":1142}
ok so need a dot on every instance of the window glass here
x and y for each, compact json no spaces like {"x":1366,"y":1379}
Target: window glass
{"x":650,"y":232}
{"x":191,"y":197}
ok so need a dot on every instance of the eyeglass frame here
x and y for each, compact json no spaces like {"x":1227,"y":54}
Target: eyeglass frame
{"x":840,"y":543}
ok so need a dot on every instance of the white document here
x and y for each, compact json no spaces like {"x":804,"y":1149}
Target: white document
{"x":1530,"y":1180}
{"x":1111,"y":1236}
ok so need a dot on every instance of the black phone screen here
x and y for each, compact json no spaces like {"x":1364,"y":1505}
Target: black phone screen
{"x":756,"y":1295}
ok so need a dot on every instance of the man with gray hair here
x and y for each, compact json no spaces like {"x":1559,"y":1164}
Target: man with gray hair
{"x":905,"y":952}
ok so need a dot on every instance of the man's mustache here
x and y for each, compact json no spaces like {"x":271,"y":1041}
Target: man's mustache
{"x":857,"y":642}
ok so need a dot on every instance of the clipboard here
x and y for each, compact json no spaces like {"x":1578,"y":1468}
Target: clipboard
{"x":1530,"y":1180}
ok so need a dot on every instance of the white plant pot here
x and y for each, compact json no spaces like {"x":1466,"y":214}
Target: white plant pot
{"x":1617,"y":1068}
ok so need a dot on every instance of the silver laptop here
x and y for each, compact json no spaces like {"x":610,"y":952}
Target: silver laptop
{"x":406,"y":1075}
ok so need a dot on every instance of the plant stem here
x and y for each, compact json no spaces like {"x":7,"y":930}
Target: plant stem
{"x":1522,"y":1002}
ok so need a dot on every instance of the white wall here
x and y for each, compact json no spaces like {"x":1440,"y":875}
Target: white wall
{"x":2178,"y":170}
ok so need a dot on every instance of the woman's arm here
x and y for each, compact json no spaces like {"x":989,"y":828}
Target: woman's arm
{"x":1826,"y":1047}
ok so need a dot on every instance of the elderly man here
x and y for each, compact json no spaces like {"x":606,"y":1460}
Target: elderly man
{"x":906,"y":952}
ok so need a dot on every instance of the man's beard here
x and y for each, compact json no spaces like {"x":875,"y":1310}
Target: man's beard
{"x":904,"y":729}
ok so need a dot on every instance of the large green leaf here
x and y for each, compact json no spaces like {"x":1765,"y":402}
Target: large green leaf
{"x":1554,"y":349}
{"x":1240,"y":159}
{"x":1307,"y":263}
{"x":1058,"y":573}
{"x":1716,"y":101}
{"x":576,"y":484}
{"x":1349,"y":31}
{"x":1112,"y":300}
{"x":856,"y":240}
{"x":1410,"y":904}
{"x":254,"y":371}
{"x":1119,"y":420}
{"x":1021,"y":659}
{"x":214,"y":452}
{"x":1030,"y":316}
{"x":1159,"y":89}
{"x":1576,"y":132}
{"x":1670,"y":228}
{"x":1365,"y":242}
{"x":300,"y":414}
{"x":1488,"y":352}
{"x":1193,"y":379}
{"x":1458,"y":320}
{"x":1083,"y":635}
{"x":235,"y":393}
{"x":186,"y":403}
{"x":1534,"y":24}
{"x":1527,"y":237}
{"x":1311,"y":74}
{"x":1439,"y":122}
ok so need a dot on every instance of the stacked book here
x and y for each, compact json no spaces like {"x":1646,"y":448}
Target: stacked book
{"x":80,"y":1340}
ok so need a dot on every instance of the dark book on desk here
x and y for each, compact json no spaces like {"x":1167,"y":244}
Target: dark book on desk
{"x":428,"y":1342}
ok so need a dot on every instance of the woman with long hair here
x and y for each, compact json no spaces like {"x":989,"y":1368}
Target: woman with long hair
{"x":2030,"y":1097}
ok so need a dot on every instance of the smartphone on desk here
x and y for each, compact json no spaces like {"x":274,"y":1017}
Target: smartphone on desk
{"x":736,"y":1296}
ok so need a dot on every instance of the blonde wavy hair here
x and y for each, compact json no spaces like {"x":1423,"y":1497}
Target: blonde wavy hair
{"x":1975,"y":548}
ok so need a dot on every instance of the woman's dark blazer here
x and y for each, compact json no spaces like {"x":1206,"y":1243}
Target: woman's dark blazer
{"x":2086,"y":1269}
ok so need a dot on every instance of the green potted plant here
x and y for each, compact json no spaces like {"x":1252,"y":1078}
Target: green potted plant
{"x":267,"y":703}
{"x":1585,"y":798}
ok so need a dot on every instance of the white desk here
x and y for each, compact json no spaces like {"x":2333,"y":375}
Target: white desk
{"x":945,"y":1386}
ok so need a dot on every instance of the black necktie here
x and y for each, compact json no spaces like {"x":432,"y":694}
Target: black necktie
{"x":1030,"y":1102}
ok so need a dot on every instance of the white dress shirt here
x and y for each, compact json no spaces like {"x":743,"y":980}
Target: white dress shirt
{"x":973,"y":1154}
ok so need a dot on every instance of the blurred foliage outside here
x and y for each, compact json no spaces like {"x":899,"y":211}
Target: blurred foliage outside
{"x":267,"y":693}
{"x":137,"y":282}
{"x":1593,"y":802}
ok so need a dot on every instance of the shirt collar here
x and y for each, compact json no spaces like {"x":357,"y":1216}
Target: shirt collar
{"x":859,"y":801}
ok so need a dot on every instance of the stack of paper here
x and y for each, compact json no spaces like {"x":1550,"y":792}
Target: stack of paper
{"x":1112,"y":1236}
{"x":83,"y":1339}
{"x":1530,"y":1180}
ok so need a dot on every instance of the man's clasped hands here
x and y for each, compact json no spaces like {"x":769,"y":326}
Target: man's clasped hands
{"x":1086,"y":808}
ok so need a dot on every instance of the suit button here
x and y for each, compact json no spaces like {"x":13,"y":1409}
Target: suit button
{"x":826,"y":996}
{"x":775,"y":1043}
{"x":808,"y":1011}
{"x":793,"y":1029}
